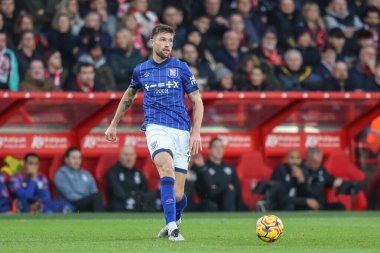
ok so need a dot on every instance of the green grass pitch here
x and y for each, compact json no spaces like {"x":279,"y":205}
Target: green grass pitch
{"x":231,"y":233}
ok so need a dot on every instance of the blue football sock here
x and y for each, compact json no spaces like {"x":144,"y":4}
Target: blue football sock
{"x":168,"y":198}
{"x":180,"y":206}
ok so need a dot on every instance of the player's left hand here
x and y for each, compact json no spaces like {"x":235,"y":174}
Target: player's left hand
{"x":195,"y":143}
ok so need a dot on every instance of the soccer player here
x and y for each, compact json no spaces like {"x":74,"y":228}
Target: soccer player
{"x":170,"y":138}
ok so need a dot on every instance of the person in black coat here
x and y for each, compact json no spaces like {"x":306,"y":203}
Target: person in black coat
{"x":217,"y":183}
{"x":127,"y":187}
{"x":62,"y":39}
{"x":84,"y":81}
{"x":373,"y":83}
{"x":289,"y":190}
{"x":318,"y":179}
{"x":339,"y":80}
{"x":122,"y":59}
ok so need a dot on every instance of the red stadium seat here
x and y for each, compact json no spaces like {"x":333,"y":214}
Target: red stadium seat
{"x":338,"y":164}
{"x":251,"y":169}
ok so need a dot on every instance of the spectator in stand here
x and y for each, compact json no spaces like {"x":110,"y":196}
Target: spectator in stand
{"x":129,"y":23}
{"x":304,"y":44}
{"x":372,"y":23}
{"x":8,"y":9}
{"x":31,"y":190}
{"x":108,"y":21}
{"x":43,"y":12}
{"x":70,"y":8}
{"x":195,"y":37}
{"x":35,"y":79}
{"x":314,"y":24}
{"x":325,"y":67}
{"x":339,"y":16}
{"x":145,"y":18}
{"x":191,"y":55}
{"x":373,"y":83}
{"x":63,"y":40}
{"x":285,"y":17}
{"x":127,"y":187}
{"x":337,"y":40}
{"x":364,"y":38}
{"x":173,"y":16}
{"x":318,"y":179}
{"x":5,"y":200}
{"x":122,"y":59}
{"x":9,"y":78}
{"x":217,"y":183}
{"x":259,"y":81}
{"x":294,"y":76}
{"x":268,"y":48}
{"x":215,"y":10}
{"x":339,"y":80}
{"x":223,"y":80}
{"x":77,"y":185}
{"x":364,"y":68}
{"x":290,"y":192}
{"x":54,"y":69}
{"x":242,"y":73}
{"x":230,"y":54}
{"x":84,"y":80}
{"x":26,"y":52}
{"x":25,"y":23}
{"x":92,"y":33}
{"x":103,"y":73}
{"x":245,"y":8}
{"x":236,"y":23}
{"x":9,"y":36}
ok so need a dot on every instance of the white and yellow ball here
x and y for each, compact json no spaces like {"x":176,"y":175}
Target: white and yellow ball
{"x":269,"y":228}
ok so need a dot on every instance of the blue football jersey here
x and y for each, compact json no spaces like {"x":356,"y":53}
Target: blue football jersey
{"x":165,"y":85}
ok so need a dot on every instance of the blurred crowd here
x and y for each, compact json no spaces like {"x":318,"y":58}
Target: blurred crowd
{"x":230,"y":45}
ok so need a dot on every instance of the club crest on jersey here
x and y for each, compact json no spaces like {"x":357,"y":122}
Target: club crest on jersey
{"x":153,"y":145}
{"x":146,"y":74}
{"x":172,"y":72}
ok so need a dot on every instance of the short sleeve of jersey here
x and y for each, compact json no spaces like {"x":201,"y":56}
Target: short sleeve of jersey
{"x":135,"y":82}
{"x":188,"y":79}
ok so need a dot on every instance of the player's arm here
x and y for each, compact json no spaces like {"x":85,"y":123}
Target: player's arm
{"x":125,"y":103}
{"x":195,"y":137}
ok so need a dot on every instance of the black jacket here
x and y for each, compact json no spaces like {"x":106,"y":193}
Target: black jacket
{"x":122,"y":183}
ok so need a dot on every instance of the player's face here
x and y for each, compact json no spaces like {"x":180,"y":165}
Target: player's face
{"x":32,"y":164}
{"x":163,"y":44}
{"x":74,"y":160}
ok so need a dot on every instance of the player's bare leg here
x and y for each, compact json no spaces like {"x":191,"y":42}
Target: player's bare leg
{"x":179,"y":187}
{"x":165,"y":166}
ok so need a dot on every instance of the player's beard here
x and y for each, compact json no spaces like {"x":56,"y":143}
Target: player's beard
{"x":161,"y":55}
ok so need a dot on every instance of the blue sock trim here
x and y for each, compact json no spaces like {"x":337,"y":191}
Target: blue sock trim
{"x":162,"y":150}
{"x":180,"y":170}
{"x":167,"y":180}
{"x":180,"y":207}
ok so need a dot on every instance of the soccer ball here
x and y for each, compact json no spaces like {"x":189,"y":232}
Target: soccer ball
{"x":269,"y":228}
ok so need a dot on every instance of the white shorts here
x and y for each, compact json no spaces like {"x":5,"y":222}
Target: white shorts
{"x":174,"y":141}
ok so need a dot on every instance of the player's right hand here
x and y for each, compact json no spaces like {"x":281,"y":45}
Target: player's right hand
{"x":111,"y":134}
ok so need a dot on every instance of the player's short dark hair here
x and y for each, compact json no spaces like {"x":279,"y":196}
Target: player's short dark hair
{"x":31,"y":154}
{"x":71,"y":149}
{"x":336,"y":33}
{"x":213,"y":140}
{"x":161,"y":28}
{"x":83,"y":65}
